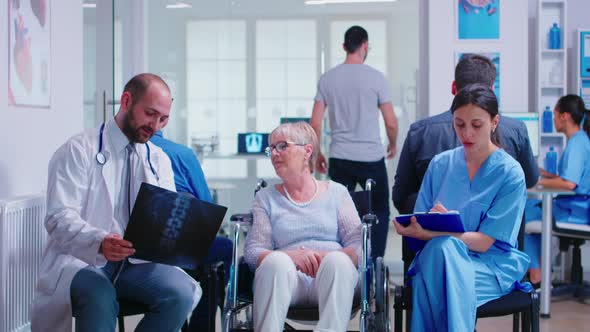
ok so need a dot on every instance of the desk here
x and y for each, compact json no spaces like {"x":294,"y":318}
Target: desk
{"x":546,"y":222}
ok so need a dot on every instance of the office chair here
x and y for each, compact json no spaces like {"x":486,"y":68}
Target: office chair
{"x":374,"y":279}
{"x":572,"y":235}
{"x":519,"y":304}
{"x":569,"y":234}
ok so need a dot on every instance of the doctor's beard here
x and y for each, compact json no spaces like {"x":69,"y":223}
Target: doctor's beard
{"x":133,"y":133}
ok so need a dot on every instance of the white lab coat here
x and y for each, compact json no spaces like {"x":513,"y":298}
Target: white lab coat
{"x":80,"y":213}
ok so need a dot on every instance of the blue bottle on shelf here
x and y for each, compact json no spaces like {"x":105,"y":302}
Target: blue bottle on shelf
{"x":554,"y":37}
{"x":551,"y":161}
{"x":547,"y":120}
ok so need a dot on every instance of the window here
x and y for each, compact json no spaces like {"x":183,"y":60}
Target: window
{"x":216,"y":89}
{"x":286,"y":75}
{"x":286,"y":70}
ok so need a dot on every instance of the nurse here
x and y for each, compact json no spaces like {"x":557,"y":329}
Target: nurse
{"x":457,"y":272}
{"x":570,"y":118}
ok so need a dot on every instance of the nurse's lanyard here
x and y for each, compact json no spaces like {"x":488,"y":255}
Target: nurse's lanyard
{"x":101,"y":159}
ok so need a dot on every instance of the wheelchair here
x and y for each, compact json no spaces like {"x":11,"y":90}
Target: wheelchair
{"x":373,"y":303}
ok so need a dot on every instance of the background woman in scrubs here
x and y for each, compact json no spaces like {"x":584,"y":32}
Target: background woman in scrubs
{"x":569,"y":117}
{"x":457,"y":272}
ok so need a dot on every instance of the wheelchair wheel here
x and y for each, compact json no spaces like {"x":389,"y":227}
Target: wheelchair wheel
{"x":387,"y":307}
{"x":381,"y":296}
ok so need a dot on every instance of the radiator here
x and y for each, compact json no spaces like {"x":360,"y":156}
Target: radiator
{"x":22,"y":239}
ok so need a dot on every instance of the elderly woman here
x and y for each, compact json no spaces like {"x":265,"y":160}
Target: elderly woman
{"x":306,"y":238}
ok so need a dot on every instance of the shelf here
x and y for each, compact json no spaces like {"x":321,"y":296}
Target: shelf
{"x":553,"y":51}
{"x":551,"y":67}
{"x":552,"y":135}
{"x":236,"y":156}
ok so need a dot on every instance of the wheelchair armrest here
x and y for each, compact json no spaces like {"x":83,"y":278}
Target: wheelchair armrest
{"x":370,"y":218}
{"x":242,"y":218}
{"x":215,"y":265}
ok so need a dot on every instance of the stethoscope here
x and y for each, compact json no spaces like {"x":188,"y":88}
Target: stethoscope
{"x":101,"y":159}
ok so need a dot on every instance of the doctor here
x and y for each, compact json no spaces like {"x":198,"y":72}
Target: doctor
{"x":457,"y":272}
{"x":93,"y":181}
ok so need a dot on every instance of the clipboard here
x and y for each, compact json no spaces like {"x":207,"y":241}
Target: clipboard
{"x":434,"y":221}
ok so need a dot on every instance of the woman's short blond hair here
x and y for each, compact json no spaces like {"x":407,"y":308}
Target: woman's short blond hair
{"x":300,"y":132}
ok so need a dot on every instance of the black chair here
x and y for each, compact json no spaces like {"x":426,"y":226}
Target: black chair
{"x":572,"y":235}
{"x":211,"y":276}
{"x":373,"y":302}
{"x":521,"y":305}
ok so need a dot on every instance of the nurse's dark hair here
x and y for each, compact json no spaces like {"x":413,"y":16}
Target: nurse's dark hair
{"x":354,"y":38}
{"x":482,"y":96}
{"x":474,"y":68}
{"x":138,"y":85}
{"x":574,"y":105}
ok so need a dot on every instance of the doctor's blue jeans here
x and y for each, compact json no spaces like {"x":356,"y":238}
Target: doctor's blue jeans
{"x":167,"y":291}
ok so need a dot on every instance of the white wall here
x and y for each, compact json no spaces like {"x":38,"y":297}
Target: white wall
{"x":577,"y":17}
{"x":443,"y":44}
{"x":29,"y":136}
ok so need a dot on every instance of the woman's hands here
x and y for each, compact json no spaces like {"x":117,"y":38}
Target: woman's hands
{"x":412,"y":230}
{"x":545,"y":174}
{"x":306,"y":260}
{"x":438,"y":207}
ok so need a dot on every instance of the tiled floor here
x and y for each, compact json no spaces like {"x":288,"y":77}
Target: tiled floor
{"x":567,"y":315}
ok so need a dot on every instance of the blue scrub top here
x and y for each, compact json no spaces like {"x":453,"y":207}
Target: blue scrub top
{"x":574,"y":166}
{"x":491,"y":203}
{"x":188,"y":174}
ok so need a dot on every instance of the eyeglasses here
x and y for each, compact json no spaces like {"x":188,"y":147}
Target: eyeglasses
{"x":280,"y":147}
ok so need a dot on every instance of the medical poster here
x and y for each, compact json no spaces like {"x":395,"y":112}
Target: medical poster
{"x":495,"y":58}
{"x":478,"y":19}
{"x":29,"y":61}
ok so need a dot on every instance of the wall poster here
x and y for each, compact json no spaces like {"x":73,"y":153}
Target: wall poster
{"x":29,"y":53}
{"x":478,"y":19}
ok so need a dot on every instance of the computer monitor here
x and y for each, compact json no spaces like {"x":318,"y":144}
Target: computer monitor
{"x":531,"y":120}
{"x":252,"y":143}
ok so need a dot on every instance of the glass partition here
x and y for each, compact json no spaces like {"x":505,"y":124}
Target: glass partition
{"x":238,"y":66}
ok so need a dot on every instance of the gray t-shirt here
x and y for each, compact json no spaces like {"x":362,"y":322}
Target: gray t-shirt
{"x":353,"y":94}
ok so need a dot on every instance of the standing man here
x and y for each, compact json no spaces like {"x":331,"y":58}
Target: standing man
{"x":354,"y":93}
{"x":431,"y":136}
{"x":189,"y":178}
{"x":93,"y":182}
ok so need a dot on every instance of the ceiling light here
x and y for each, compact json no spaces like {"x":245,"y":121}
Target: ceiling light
{"x":179,"y":5}
{"x":328,"y":2}
{"x":88,"y":5}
